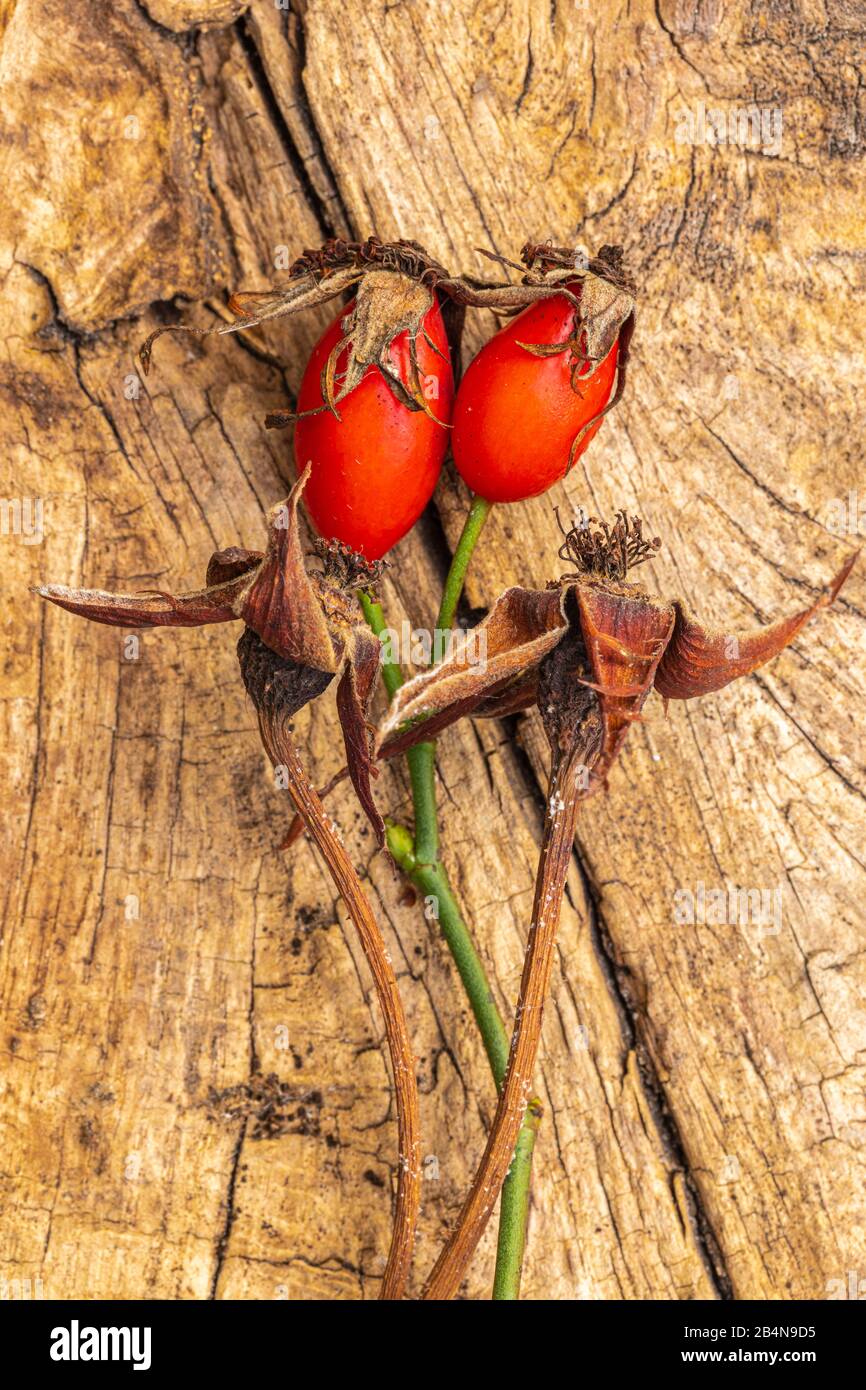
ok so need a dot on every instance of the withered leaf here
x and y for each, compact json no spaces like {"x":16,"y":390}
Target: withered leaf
{"x":306,"y":628}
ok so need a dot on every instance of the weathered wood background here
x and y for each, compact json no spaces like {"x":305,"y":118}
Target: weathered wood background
{"x":196,"y":1100}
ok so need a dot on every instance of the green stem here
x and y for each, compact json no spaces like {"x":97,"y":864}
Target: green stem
{"x":421,"y":759}
{"x":432,"y":881}
{"x":479,"y":511}
{"x":419,"y":860}
{"x":392,"y":676}
{"x":514,"y":1209}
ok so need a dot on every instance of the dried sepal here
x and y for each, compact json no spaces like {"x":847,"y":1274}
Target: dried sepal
{"x":307,"y":618}
{"x":625,"y":634}
{"x":605,"y":307}
{"x":387,"y":304}
{"x":313,"y":628}
{"x":622,"y":357}
{"x":150,"y":607}
{"x":519,"y":630}
{"x":235,"y":560}
{"x":395,"y":284}
{"x":282,"y":603}
{"x":354,"y":694}
{"x":305,"y":291}
{"x":699,"y":660}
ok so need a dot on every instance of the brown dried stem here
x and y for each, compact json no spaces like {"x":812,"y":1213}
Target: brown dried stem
{"x":277,"y":739}
{"x":575,"y":745}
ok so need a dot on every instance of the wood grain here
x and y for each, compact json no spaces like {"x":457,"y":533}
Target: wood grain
{"x":196,"y":1099}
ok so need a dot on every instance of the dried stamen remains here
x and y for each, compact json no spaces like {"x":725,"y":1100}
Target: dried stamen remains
{"x":609,"y":551}
{"x":347,"y":568}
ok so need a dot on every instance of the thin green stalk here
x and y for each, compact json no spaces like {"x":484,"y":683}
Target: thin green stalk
{"x":514,"y":1209}
{"x":392,"y":676}
{"x":421,"y":759}
{"x":479,"y":511}
{"x":432,"y":881}
{"x":419,"y":860}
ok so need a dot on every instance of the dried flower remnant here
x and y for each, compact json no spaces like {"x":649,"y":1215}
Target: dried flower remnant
{"x":611,"y":550}
{"x":310,"y":619}
{"x":394,"y":284}
{"x":604,"y":308}
{"x":604,"y":304}
{"x":303,"y":630}
{"x":588,"y":650}
{"x":633,"y":642}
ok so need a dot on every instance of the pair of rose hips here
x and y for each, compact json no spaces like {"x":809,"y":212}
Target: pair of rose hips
{"x":377,"y":407}
{"x":511,"y":425}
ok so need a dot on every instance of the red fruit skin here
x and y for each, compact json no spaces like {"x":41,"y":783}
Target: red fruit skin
{"x":516,"y":415}
{"x":374,"y":469}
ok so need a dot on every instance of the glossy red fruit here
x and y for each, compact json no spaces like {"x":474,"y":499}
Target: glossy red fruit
{"x":374,"y":469}
{"x":517,"y":415}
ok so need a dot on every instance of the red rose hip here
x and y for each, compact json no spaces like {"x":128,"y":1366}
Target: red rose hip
{"x":518,"y":416}
{"x":374,"y":469}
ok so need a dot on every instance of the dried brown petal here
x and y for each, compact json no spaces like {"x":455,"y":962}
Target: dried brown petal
{"x":522,"y":626}
{"x":625,"y":634}
{"x":150,"y":608}
{"x":699,"y":660}
{"x":281,"y":604}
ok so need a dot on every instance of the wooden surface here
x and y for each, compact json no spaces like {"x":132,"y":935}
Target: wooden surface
{"x":195,"y":1094}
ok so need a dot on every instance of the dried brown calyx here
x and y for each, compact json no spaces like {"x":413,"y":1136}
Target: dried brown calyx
{"x":633,"y":642}
{"x":544,"y":261}
{"x":601,"y":292}
{"x":347,"y":568}
{"x":394,"y":284}
{"x":311,"y":623}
